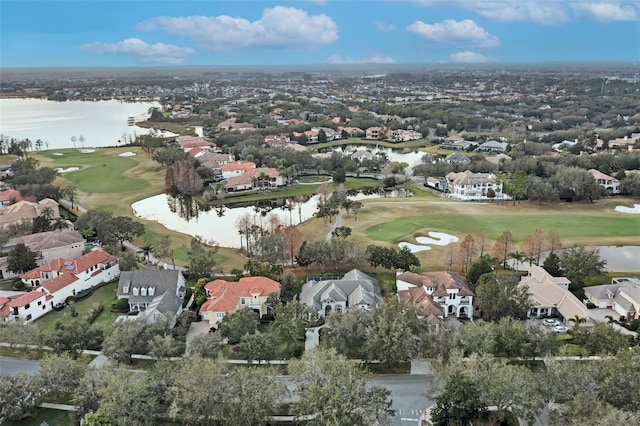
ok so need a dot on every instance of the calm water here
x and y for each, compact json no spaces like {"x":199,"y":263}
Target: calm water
{"x":101,"y":123}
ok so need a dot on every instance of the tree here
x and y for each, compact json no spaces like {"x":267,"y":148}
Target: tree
{"x":332,"y":390}
{"x":292,"y":239}
{"x":289,"y":287}
{"x":533,"y":245}
{"x":405,"y":259}
{"x":460,"y":402}
{"x":355,"y":208}
{"x":258,"y":346}
{"x":478,"y":269}
{"x":394,"y":335}
{"x":201,"y":257}
{"x":205,"y":345}
{"x":124,"y":339}
{"x":291,"y":319}
{"x":467,"y":251}
{"x":118,"y":230}
{"x":72,"y":337}
{"x":165,"y":347}
{"x":21,"y":259}
{"x":305,"y":256}
{"x":41,"y":224}
{"x":580,"y":263}
{"x":89,"y":222}
{"x":19,"y":395}
{"x":503,"y":297}
{"x":236,"y":324}
{"x":502,"y":247}
{"x":146,"y":250}
{"x":162,"y":250}
{"x":518,"y":186}
{"x":341,"y":232}
{"x":518,"y":258}
{"x":553,"y":241}
{"x":127,"y":261}
{"x":70,"y":192}
{"x":346,"y":332}
{"x":181,"y":178}
{"x":552,"y":265}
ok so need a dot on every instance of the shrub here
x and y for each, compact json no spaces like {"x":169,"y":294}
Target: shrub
{"x":83,"y":294}
{"x":591,"y":305}
{"x":95,"y":313}
{"x":634,"y":325}
{"x":18,"y":285}
{"x":122,"y":305}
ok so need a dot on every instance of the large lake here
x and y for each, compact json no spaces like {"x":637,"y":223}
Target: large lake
{"x":101,"y":123}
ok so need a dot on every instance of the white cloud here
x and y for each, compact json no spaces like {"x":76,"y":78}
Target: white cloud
{"x":374,"y":58}
{"x":462,"y":33}
{"x":144,"y":52}
{"x":381,"y":26}
{"x":545,"y":12}
{"x":279,"y":27}
{"x":468,"y":57}
{"x":607,"y":12}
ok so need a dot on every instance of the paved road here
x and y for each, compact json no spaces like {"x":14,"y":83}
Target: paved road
{"x":407,"y":391}
{"x":13,"y":366}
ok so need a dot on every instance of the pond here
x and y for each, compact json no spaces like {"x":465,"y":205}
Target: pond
{"x":619,"y":258}
{"x":412,"y":158}
{"x":219,"y":223}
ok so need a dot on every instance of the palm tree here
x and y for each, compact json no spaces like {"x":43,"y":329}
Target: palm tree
{"x":146,"y":249}
{"x":81,"y":139}
{"x":576,"y":320}
{"x":518,"y":257}
{"x":60,"y":224}
{"x":73,"y":139}
{"x":47,"y":213}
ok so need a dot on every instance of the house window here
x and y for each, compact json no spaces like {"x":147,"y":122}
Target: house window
{"x":39,"y":302}
{"x":255,"y":297}
{"x":243,"y":301}
{"x":219,"y":314}
{"x":27,"y":306}
{"x":452,"y":295}
{"x":28,"y":317}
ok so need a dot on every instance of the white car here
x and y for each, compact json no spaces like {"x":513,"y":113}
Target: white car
{"x":560,"y":329}
{"x":550,"y":322}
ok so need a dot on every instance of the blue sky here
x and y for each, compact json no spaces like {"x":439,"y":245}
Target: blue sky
{"x":239,"y":32}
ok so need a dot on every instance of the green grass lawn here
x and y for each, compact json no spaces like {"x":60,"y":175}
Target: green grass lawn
{"x":103,"y":296}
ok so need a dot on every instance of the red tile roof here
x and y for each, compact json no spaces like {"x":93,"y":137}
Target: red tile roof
{"x":59,"y":282}
{"x":26,"y":299}
{"x":224,"y":296}
{"x":95,"y":257}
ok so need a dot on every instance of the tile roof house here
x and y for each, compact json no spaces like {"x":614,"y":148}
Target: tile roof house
{"x":12,"y":196}
{"x":622,"y":295}
{"x":439,"y":294}
{"x":609,"y":183}
{"x":153,"y":293}
{"x":354,"y":289}
{"x":243,"y":175}
{"x":61,"y":278}
{"x":458,"y":157}
{"x":27,"y":210}
{"x":226,"y":296}
{"x":26,"y":307}
{"x":551,"y":296}
{"x":55,"y":244}
{"x":473,"y":186}
{"x":493,"y":146}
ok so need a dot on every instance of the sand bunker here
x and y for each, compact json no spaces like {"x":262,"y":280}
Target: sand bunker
{"x":127,"y":154}
{"x":58,"y":153}
{"x":437,"y":239}
{"x":87,"y":151}
{"x":635,"y":209}
{"x":68,"y":169}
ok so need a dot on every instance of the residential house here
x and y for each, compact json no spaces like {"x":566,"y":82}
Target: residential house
{"x":551,"y":296}
{"x":458,"y":158}
{"x":224,"y":297}
{"x":62,"y":278}
{"x":236,"y":168}
{"x":354,"y":290}
{"x":254,"y":178}
{"x":493,"y":146}
{"x":473,"y":186}
{"x":610,"y":184}
{"x":401,"y":135}
{"x":362,"y":155}
{"x":55,"y":244}
{"x":27,"y":210}
{"x":437,"y":294}
{"x":498,"y":158}
{"x":456,"y":144}
{"x":621,"y":142}
{"x":11,"y":196}
{"x":374,"y":133}
{"x":437,"y":183}
{"x":153,"y":293}
{"x":26,"y":307}
{"x":622,"y":295}
{"x":352,"y":132}
{"x":193,"y":144}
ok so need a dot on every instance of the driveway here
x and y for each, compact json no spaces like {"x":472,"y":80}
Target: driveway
{"x":600,"y":314}
{"x":195,"y":329}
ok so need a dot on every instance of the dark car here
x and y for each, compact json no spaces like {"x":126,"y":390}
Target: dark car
{"x":58,"y":306}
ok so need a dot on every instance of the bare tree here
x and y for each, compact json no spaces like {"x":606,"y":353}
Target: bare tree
{"x":533,"y":245}
{"x":553,"y":241}
{"x":502,"y":247}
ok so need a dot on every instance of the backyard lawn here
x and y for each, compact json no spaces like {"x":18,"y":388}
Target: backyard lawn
{"x":104,"y":296}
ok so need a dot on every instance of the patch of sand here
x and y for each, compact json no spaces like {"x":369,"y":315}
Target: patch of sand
{"x":435,"y":239}
{"x":87,"y":151}
{"x":635,"y":209}
{"x":58,"y":153}
{"x":68,"y":169}
{"x":127,"y":154}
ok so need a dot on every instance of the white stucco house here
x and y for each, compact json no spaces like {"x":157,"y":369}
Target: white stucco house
{"x":473,"y":186}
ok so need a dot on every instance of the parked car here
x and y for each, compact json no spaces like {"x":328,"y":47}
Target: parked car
{"x":550,"y":322}
{"x":58,"y":306}
{"x":560,"y":329}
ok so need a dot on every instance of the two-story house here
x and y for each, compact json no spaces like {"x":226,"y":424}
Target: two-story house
{"x":152,"y":293}
{"x":27,"y":307}
{"x":609,"y":183}
{"x":622,"y":295}
{"x":438,"y":294}
{"x":473,"y":186}
{"x":354,"y":290}
{"x":228,"y":296}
